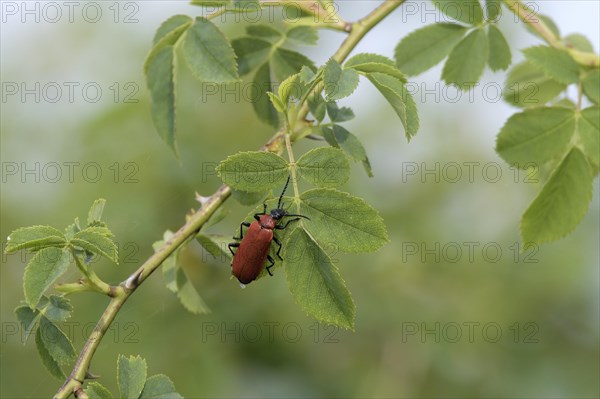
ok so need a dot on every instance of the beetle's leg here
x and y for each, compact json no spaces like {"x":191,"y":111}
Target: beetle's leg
{"x":247,"y":224}
{"x":279,"y":249}
{"x":271,"y":265}
{"x":285,"y":225}
{"x":264,"y":212}
{"x":233,"y":245}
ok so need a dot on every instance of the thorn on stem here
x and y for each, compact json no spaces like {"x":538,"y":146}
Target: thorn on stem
{"x":90,"y":376}
{"x":201,"y":199}
{"x":134,"y":280}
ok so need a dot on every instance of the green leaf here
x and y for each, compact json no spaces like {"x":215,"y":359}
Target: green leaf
{"x":246,"y":198}
{"x":215,"y":245}
{"x":546,"y":20}
{"x":338,"y":218}
{"x":499,"y":55}
{"x":369,"y":63}
{"x":315,"y":282}
{"x":260,"y":100}
{"x":527,"y":86}
{"x":34,"y":238}
{"x":174,"y":23}
{"x":317,"y":107}
{"x":279,"y":105}
{"x":339,"y":137}
{"x":338,"y":114}
{"x":159,"y":387}
{"x":95,"y":390}
{"x":287,"y":62}
{"x":302,"y":35}
{"x":160,"y":79}
{"x":251,"y":52}
{"x":290,"y":88}
{"x":55,"y":308}
{"x":467,"y":11}
{"x":169,"y":265}
{"x":339,"y":83}
{"x":400,"y":99}
{"x":27,"y":318}
{"x":72,"y":229}
{"x":562,"y":203}
{"x":210,"y":3}
{"x":591,"y":85}
{"x":131,"y":376}
{"x":42,"y":271}
{"x":57,"y":344}
{"x":95,"y":212}
{"x":556,"y":63}
{"x":166,"y":38}
{"x":565,"y":103}
{"x":307,"y":76}
{"x":209,"y":54}
{"x":578,"y":42}
{"x":51,"y":365}
{"x":253,"y":171}
{"x":493,"y":9}
{"x":324,"y":166}
{"x":187,"y":294}
{"x":535,"y":135}
{"x":425,"y":47}
{"x":588,"y":130}
{"x":467,"y":60}
{"x":215,"y":218}
{"x":265,"y":32}
{"x":95,"y":240}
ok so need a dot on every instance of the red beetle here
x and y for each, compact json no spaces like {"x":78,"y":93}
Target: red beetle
{"x":253,"y":250}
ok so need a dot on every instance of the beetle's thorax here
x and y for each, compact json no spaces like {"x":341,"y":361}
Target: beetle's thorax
{"x":267,"y":222}
{"x":278,"y":213}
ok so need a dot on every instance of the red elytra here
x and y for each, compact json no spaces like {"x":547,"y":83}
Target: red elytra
{"x":253,"y":249}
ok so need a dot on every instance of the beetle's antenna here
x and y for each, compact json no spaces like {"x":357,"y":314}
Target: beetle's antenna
{"x":293,"y":214}
{"x":283,"y":192}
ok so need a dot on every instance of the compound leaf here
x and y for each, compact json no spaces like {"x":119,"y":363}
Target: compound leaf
{"x":315,"y":283}
{"x":555,"y":63}
{"x":159,"y":386}
{"x":324,"y":166}
{"x":343,"y":220}
{"x":209,"y":54}
{"x":339,"y":83}
{"x":527,"y":86}
{"x":42,"y":271}
{"x":34,"y":238}
{"x":467,"y":60}
{"x":499,"y":56}
{"x":425,"y":47}
{"x":562,"y":203}
{"x":131,"y":376}
{"x":253,"y":171}
{"x":535,"y":135}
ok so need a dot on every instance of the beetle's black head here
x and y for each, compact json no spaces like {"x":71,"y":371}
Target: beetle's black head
{"x":278,"y":213}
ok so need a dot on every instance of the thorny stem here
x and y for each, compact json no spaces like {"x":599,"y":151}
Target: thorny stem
{"x":529,"y":16}
{"x":121,"y":293}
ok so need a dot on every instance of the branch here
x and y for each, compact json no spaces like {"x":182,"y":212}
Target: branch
{"x":528,"y":16}
{"x":121,"y":293}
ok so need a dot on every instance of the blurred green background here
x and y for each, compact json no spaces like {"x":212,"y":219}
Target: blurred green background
{"x":431,"y":321}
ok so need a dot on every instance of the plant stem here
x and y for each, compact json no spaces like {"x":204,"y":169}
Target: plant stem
{"x":357,"y":31}
{"x":529,"y":16}
{"x":122,"y":292}
{"x":288,"y":146}
{"x":91,"y":278}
